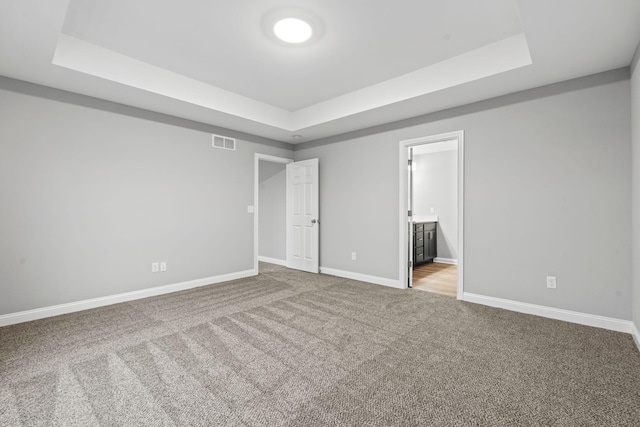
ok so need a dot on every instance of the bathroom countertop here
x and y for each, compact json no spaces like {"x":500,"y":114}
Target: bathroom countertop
{"x":425,"y":218}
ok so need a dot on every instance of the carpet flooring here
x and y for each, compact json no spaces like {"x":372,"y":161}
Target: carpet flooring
{"x":287,"y":348}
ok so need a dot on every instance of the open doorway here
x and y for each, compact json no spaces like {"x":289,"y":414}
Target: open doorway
{"x":431,"y":216}
{"x":434,"y":206}
{"x":270,"y":211}
{"x":286,"y":208}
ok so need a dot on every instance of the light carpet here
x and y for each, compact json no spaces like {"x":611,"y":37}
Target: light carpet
{"x":295,"y":349}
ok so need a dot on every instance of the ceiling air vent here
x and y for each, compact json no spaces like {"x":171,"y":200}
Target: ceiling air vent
{"x":223,"y":142}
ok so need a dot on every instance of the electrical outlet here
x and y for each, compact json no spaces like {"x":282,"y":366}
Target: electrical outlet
{"x":551,"y":282}
{"x":353,"y":256}
{"x":155,"y":267}
{"x":163,"y":266}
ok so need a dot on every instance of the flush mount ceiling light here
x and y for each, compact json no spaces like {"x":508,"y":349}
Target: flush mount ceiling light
{"x":293,"y":30}
{"x":291,"y":27}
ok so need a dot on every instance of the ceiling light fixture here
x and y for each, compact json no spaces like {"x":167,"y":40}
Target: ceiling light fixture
{"x":292,"y":27}
{"x":293,"y":30}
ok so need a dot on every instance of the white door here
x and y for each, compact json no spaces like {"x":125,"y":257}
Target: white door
{"x":302,"y":215}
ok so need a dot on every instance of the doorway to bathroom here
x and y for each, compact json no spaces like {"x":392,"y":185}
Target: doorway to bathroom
{"x":431,"y":198}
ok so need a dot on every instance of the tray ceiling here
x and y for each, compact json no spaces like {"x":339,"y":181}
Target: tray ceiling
{"x":374,"y":61}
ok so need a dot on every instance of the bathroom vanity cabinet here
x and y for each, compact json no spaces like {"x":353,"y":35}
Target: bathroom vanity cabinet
{"x":424,"y":242}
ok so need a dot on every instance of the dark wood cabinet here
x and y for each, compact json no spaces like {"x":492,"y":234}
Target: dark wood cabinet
{"x":425,"y":247}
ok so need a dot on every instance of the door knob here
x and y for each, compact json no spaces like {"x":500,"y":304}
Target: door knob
{"x":313,"y":221}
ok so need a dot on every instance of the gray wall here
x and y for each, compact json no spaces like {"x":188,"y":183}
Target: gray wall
{"x":635,"y":131}
{"x":272,"y":195}
{"x":358,"y":204}
{"x":90,"y":198}
{"x":435,"y":184}
{"x":547,"y":185}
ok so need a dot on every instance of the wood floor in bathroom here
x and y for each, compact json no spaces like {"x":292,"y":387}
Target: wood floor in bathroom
{"x":436,"y":277}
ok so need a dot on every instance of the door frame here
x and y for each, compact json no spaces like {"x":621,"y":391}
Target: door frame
{"x":403,"y":157}
{"x":256,"y":200}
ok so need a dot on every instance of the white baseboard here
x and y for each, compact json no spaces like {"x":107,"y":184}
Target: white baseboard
{"x":636,"y":335}
{"x":553,"y":313}
{"x":446,"y":261}
{"x":276,"y":261}
{"x":56,"y":310}
{"x":361,"y":277}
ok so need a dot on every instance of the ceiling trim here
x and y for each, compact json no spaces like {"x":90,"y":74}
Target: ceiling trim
{"x":79,"y":55}
{"x":495,"y":58}
{"x":73,"y":98}
{"x":566,"y":86}
{"x":89,"y":58}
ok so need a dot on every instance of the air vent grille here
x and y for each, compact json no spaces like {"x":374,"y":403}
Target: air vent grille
{"x":223,"y":142}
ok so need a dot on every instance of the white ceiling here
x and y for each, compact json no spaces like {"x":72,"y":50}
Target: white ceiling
{"x":375,"y":61}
